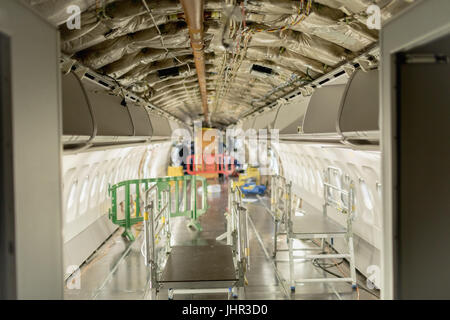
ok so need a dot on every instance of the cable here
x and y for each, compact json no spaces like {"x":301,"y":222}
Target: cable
{"x":101,"y":12}
{"x":326,"y":265}
{"x":131,"y":117}
{"x":144,"y":2}
{"x":240,"y":34}
{"x":302,"y":13}
{"x":319,"y":265}
{"x":339,"y":276}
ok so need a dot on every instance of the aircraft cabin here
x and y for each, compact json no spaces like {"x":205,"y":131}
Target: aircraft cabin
{"x":225,"y":149}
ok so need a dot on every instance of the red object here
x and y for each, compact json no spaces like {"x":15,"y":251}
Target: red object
{"x":212,"y":164}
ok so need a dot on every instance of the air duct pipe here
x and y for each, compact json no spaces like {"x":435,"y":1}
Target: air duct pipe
{"x":194,"y":13}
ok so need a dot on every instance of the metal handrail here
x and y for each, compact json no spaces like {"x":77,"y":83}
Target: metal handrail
{"x":280,"y":195}
{"x":156,"y":206}
{"x":152,"y":190}
{"x":336,"y":188}
{"x":239,"y":226}
{"x":343,"y":187}
{"x":346,"y":191}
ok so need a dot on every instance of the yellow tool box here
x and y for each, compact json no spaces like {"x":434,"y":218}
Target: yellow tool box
{"x":175,"y":172}
{"x":251,"y":173}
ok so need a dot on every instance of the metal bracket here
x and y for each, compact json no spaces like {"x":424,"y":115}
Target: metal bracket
{"x":365,"y":64}
{"x":349,"y":70}
{"x":66,"y":65}
{"x":81,"y":72}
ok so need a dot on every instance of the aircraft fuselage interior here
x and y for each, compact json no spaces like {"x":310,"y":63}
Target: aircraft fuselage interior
{"x":225,"y":150}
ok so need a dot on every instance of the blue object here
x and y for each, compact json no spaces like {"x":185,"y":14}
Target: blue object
{"x":252,"y":188}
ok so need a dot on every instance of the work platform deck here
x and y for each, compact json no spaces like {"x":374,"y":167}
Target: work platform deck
{"x":208,"y":263}
{"x":303,"y":225}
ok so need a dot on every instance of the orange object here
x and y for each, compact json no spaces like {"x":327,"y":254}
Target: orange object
{"x":204,"y":158}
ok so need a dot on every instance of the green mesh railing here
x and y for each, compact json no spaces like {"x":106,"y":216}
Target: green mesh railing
{"x":127,"y":204}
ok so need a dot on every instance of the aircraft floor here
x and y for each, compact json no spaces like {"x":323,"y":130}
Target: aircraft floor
{"x":116,"y":270}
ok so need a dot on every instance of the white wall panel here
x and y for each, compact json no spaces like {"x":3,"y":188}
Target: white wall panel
{"x":36,"y":125}
{"x":425,"y":21}
{"x":85,"y":230}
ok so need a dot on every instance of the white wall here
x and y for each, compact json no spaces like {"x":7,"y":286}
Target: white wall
{"x":425,"y":21}
{"x":86,"y":177}
{"x":36,"y":151}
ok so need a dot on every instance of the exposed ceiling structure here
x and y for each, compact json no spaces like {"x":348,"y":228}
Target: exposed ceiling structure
{"x":254,"y":51}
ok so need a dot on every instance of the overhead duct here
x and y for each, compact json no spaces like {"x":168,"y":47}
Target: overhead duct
{"x":193,"y":11}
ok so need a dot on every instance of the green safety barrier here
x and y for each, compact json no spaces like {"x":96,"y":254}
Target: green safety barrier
{"x":132,"y":204}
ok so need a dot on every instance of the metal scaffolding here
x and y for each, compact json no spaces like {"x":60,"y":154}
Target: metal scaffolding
{"x":195,"y":269}
{"x":339,"y":195}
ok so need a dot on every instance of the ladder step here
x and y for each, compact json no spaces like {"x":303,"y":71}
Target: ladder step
{"x":200,"y":291}
{"x":326,"y":256}
{"x":324,"y":280}
{"x":301,"y":249}
{"x":287,"y":260}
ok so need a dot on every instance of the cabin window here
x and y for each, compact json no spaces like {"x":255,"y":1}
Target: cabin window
{"x":111,"y":177}
{"x":313,"y":180}
{"x":274,"y":163}
{"x":305,"y":178}
{"x":367,"y":196}
{"x":129,"y":168}
{"x":71,"y":201}
{"x":102,"y":184}
{"x":94,"y":186}
{"x":94,"y":190}
{"x":319,"y":182}
{"x":298,"y":178}
{"x":146,"y":165}
{"x":116,"y":177}
{"x":83,"y":195}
